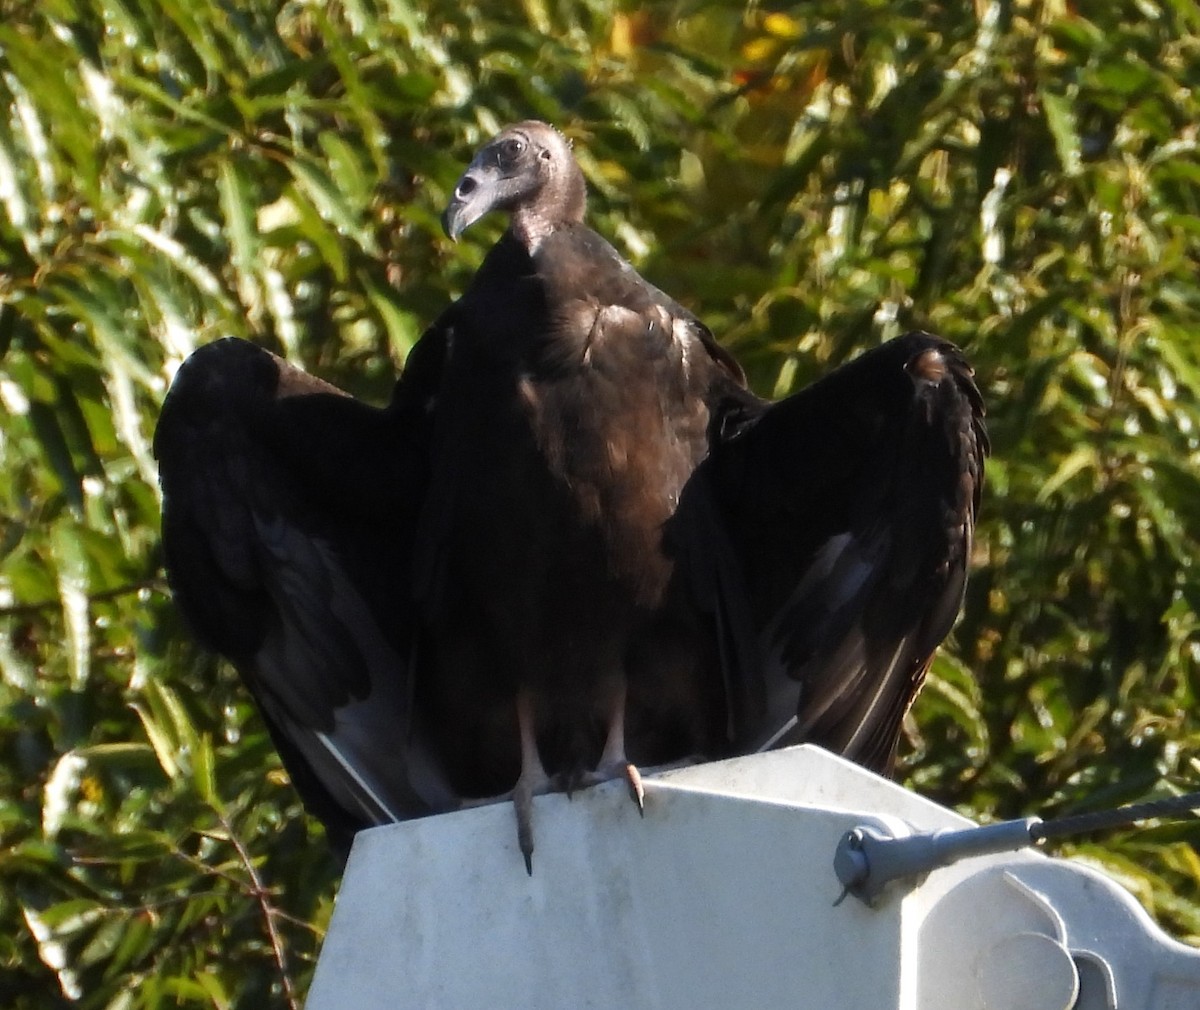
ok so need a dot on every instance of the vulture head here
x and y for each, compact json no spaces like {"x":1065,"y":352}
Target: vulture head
{"x":528,"y":170}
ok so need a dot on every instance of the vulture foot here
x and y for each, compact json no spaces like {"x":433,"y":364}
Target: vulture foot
{"x":613,"y":761}
{"x":533,"y":782}
{"x":619,"y":768}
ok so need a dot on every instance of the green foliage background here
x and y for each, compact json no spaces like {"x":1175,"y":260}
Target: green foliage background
{"x":1021,"y":177}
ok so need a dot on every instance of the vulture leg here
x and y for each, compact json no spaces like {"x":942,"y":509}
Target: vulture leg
{"x":532,"y":781}
{"x":613,"y":761}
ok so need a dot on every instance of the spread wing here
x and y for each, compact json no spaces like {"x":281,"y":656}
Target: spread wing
{"x":288,"y":519}
{"x":843,"y":518}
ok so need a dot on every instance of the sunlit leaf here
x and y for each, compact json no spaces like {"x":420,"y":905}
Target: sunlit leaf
{"x":1061,"y":119}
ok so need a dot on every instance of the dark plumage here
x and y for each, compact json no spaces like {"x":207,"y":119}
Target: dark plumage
{"x":574,"y":542}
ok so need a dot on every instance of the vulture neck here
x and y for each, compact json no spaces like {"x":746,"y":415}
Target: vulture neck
{"x":561,"y":201}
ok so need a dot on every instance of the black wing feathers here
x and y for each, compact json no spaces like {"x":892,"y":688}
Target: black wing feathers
{"x":288,"y":511}
{"x":850,"y":506}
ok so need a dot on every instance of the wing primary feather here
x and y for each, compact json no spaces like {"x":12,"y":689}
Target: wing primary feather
{"x":773,"y":741}
{"x":379,"y":811}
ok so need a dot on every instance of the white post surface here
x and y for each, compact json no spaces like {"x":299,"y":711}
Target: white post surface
{"x":722,"y":896}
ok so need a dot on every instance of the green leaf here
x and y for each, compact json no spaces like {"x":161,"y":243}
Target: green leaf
{"x":1060,"y":118}
{"x":1081,"y":459}
{"x":238,"y":211}
{"x":329,"y":201}
{"x":164,"y":747}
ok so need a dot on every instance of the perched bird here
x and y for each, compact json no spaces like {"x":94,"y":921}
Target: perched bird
{"x":574,"y":543}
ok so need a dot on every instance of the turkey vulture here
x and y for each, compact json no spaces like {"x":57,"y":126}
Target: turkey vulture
{"x":574,"y":542}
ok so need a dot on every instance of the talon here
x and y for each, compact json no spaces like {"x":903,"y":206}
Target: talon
{"x":569,"y":783}
{"x":532,"y":780}
{"x":523,"y":807}
{"x":636,"y":790}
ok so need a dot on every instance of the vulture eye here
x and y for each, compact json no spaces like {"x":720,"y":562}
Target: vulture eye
{"x":511,"y":148}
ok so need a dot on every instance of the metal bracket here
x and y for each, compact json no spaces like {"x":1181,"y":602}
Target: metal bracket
{"x":868,"y":859}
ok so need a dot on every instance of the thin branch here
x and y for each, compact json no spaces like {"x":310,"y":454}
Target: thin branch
{"x":208,"y":870}
{"x":30,"y":609}
{"x":263,"y":896}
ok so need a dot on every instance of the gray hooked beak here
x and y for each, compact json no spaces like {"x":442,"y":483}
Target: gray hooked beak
{"x":477,"y":191}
